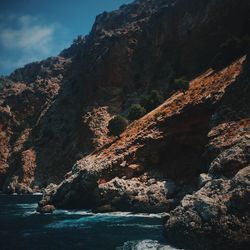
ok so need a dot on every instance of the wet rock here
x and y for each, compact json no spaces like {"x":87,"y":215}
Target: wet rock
{"x":23,"y":189}
{"x":13,"y":186}
{"x":104,"y":209}
{"x":47,"y":209}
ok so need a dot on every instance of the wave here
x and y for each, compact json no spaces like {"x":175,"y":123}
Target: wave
{"x":110,"y":214}
{"x":38,"y":193}
{"x":72,"y":223}
{"x":130,"y":214}
{"x":137,"y":225}
{"x":27,"y":205}
{"x":146,"y":244}
{"x":87,"y":217}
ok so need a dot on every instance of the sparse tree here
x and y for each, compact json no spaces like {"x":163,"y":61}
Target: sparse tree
{"x":151,"y":101}
{"x":117,"y":125}
{"x":181,"y":84}
{"x":136,"y":111}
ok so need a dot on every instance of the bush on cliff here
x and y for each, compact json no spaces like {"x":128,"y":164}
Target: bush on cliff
{"x":181,"y":84}
{"x":151,"y":101}
{"x":117,"y":125}
{"x":136,"y":111}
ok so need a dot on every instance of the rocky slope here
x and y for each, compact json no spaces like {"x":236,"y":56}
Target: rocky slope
{"x":188,"y":157}
{"x":50,"y":110}
{"x":195,"y":145}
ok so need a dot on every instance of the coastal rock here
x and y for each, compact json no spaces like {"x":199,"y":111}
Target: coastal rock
{"x":219,"y":210}
{"x":133,"y":195}
{"x":217,"y":215}
{"x":14,"y":186}
{"x":99,"y":180}
{"x":47,"y":209}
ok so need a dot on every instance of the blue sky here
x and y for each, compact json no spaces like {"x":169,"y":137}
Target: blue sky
{"x":31,"y":30}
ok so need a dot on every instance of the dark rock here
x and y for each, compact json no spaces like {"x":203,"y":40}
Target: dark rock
{"x":104,"y":209}
{"x":219,"y":210}
{"x":47,"y":209}
{"x":133,"y":195}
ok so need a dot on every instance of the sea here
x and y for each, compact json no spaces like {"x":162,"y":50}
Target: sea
{"x":21,"y":227}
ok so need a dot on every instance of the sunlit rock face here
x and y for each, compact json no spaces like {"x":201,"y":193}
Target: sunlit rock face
{"x":50,"y":109}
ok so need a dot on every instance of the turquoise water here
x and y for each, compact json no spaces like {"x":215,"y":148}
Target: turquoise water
{"x":23,"y":228}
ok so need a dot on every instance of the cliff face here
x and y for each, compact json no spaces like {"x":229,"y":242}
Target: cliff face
{"x":50,"y":110}
{"x":189,"y":156}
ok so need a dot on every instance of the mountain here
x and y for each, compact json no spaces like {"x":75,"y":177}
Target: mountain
{"x":188,"y":157}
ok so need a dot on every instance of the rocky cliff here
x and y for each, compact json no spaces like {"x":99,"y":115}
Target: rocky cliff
{"x":189,"y":156}
{"x":50,"y":110}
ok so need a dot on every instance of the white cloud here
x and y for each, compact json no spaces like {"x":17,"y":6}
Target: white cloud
{"x":27,"y":37}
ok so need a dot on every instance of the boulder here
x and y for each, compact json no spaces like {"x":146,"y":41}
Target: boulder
{"x":47,"y":209}
{"x":136,"y":196}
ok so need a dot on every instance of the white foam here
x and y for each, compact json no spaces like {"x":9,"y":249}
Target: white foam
{"x":137,"y":225}
{"x":110,"y":214}
{"x":37,"y":193}
{"x":129,"y":214}
{"x":144,"y":245}
{"x":115,"y":218}
{"x":73,"y":212}
{"x":27,"y":205}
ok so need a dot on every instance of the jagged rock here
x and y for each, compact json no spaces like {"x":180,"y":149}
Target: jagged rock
{"x":47,"y":209}
{"x":133,"y":195}
{"x":14,"y":186}
{"x":149,"y":135}
{"x":95,"y":129}
{"x":216,"y":216}
{"x":203,"y":179}
{"x":59,"y":108}
{"x":99,"y":180}
{"x":23,"y":189}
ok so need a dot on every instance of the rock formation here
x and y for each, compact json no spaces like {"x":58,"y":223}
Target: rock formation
{"x":188,"y":157}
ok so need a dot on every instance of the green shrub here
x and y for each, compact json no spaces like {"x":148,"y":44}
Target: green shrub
{"x":151,"y":101}
{"x":117,"y":125}
{"x":181,"y":84}
{"x":136,"y":111}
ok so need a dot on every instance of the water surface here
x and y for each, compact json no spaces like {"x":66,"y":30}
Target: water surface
{"x":22,"y":228}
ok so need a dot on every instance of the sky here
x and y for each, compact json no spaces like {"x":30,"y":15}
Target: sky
{"x":32,"y":30}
